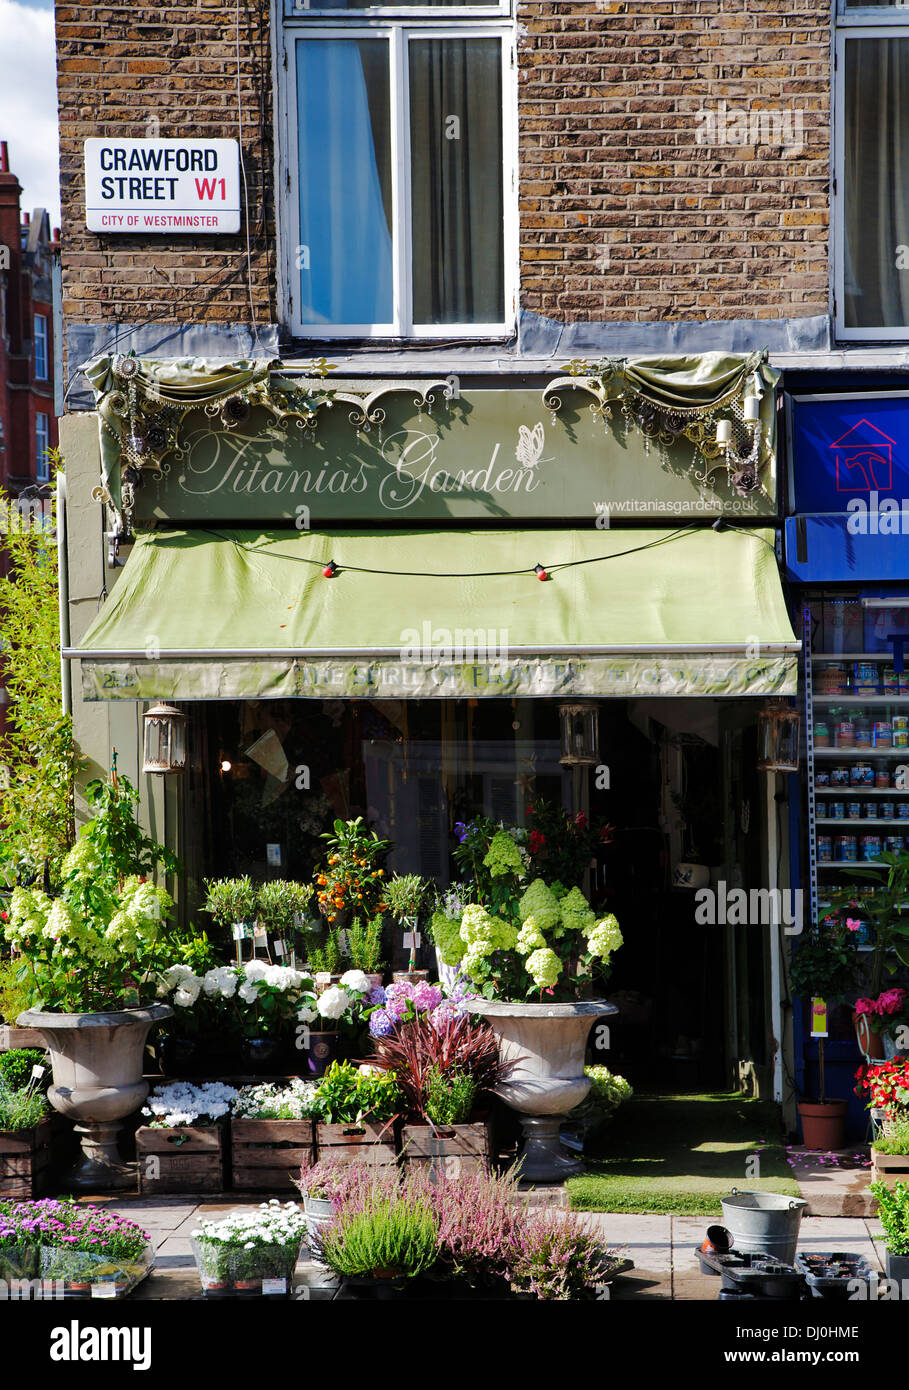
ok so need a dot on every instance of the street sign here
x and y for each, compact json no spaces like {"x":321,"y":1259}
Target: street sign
{"x":154,"y":186}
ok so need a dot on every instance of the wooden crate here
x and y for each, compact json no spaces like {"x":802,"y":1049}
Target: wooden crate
{"x":889,"y":1168}
{"x":188,"y":1158}
{"x":367,"y":1142}
{"x":25,"y":1159}
{"x":448,"y":1151}
{"x":12,"y":1038}
{"x":266,"y":1155}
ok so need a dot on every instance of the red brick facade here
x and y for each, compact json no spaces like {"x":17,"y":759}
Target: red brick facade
{"x":26,"y":292}
{"x":625,"y":213}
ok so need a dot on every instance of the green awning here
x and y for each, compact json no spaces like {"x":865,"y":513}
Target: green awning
{"x":202,"y":615}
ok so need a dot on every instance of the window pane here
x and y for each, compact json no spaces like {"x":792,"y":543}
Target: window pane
{"x":456,"y":180}
{"x":394,"y":4}
{"x":875,"y":190}
{"x":345,"y":255}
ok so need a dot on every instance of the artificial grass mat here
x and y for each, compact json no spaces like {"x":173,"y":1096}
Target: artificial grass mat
{"x":681,"y":1154}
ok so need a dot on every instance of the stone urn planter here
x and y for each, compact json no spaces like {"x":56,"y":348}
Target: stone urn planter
{"x":97,"y":1061}
{"x":547,"y":1043}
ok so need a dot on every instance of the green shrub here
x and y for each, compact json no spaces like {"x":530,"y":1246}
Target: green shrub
{"x":15,"y":995}
{"x":449,"y":1096}
{"x":893,"y":1212}
{"x":386,"y":1234}
{"x":20,"y":1109}
{"x":16,"y":1066}
{"x":895,"y":1137}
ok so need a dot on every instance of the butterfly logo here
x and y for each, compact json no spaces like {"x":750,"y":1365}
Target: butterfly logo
{"x":530,"y":445}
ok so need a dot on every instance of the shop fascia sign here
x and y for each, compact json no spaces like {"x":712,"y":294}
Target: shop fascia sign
{"x":488,"y":454}
{"x":154,"y":186}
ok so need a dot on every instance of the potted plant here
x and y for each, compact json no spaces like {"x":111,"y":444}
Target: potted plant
{"x":252,"y":1251}
{"x":878,"y":1023}
{"x":271,"y":1000}
{"x":887,"y":1086}
{"x":881,"y":912}
{"x":364,"y":946}
{"x":181,"y":1148}
{"x":88,"y":957}
{"x":233,"y":903}
{"x":404,"y":898}
{"x":281,"y":908}
{"x":334,"y":1008}
{"x":444,"y":928}
{"x":893,"y":1213}
{"x":352,"y":878}
{"x":447,"y":1066}
{"x":824,"y":966}
{"x":382,"y":1239}
{"x":355,"y":1112}
{"x":26,"y":1136}
{"x":271,"y":1133}
{"x":533,"y":952}
{"x":85,"y":1247}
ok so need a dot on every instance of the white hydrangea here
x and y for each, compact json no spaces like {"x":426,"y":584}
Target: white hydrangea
{"x":355,"y":982}
{"x":221,"y":981}
{"x":332,"y":1003}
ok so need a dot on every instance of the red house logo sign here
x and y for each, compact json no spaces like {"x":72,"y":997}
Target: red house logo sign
{"x":864,"y":459}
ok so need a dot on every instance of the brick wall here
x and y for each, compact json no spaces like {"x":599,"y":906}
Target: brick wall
{"x":168,"y":70}
{"x":624,"y":213}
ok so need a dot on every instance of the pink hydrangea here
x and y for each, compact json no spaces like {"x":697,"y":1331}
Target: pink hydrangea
{"x":426,"y":997}
{"x":891,"y":1001}
{"x":865,"y":1006}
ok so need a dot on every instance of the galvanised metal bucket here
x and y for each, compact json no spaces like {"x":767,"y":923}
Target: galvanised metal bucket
{"x":763,"y":1223}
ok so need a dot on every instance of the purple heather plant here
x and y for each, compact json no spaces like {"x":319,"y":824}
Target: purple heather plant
{"x":66,"y":1225}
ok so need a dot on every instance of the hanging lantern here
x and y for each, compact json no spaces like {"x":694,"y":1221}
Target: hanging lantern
{"x":579,"y":727}
{"x":165,"y":739}
{"x":778,"y":738}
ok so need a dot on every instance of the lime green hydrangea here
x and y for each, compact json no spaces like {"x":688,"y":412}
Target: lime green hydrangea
{"x":544,"y":968}
{"x":605,"y":937}
{"x":558,"y":889}
{"x":480,"y":928}
{"x":28,"y":913}
{"x":446,"y":933}
{"x":538,"y":902}
{"x":503,"y":856}
{"x":530,"y":937}
{"x":576,"y":912}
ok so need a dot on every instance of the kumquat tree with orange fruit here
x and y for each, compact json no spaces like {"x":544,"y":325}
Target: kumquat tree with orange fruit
{"x":351,"y":881}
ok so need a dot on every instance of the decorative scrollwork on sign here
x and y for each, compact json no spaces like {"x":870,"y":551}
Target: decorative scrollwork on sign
{"x":146,"y":414}
{"x":745,"y":451}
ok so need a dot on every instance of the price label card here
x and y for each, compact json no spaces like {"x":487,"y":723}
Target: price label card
{"x":260,"y":933}
{"x":106,"y":1290}
{"x":819,"y":1018}
{"x":38,"y":1072}
{"x":274,"y":1286}
{"x":412,"y":939}
{"x":274,"y":856}
{"x":279,"y":948}
{"x":342,"y":941}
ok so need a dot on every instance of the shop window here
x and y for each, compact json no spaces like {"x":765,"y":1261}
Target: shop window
{"x":399,"y":218}
{"x":871,"y":203}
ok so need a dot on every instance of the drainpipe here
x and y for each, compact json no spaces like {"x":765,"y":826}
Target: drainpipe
{"x":66,"y":687}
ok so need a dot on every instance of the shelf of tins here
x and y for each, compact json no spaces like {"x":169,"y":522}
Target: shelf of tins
{"x":857,"y":741}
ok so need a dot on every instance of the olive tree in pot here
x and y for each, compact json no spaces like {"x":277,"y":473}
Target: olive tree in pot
{"x":533,"y":952}
{"x":86,"y":958}
{"x":823,"y":967}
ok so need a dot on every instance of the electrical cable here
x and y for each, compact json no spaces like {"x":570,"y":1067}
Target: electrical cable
{"x":462,"y":574}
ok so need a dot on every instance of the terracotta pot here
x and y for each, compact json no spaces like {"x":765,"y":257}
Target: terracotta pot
{"x":870,"y":1043}
{"x":97,"y":1060}
{"x":547,"y":1042}
{"x":823,"y":1123}
{"x":410,"y":977}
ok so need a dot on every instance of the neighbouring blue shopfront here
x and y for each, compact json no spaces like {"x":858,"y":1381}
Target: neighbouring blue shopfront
{"x":846,"y":551}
